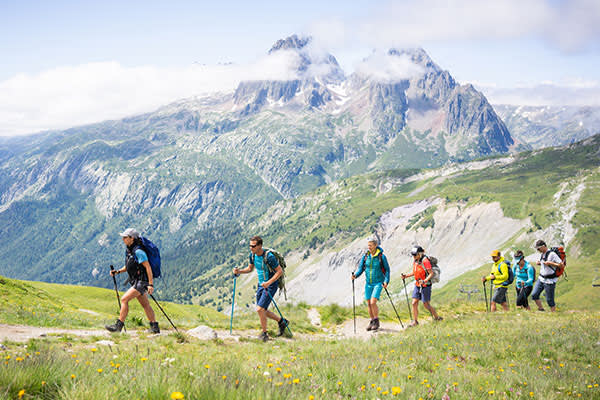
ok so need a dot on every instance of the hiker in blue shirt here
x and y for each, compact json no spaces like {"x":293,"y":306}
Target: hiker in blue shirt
{"x":377,"y":276}
{"x":268,"y":271}
{"x":524,"y":278}
{"x":141,"y":280}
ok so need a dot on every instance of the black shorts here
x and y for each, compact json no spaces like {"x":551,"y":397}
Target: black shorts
{"x":140,"y":286}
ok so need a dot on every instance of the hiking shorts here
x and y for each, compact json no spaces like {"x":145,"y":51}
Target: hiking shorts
{"x":263,"y":299}
{"x":140,"y":286}
{"x":499,"y":296}
{"x":373,"y":290}
{"x":547,"y":288}
{"x":422,"y":293}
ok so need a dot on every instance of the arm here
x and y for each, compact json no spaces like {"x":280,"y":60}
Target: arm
{"x":274,"y":278}
{"x":428,"y":270}
{"x":146,"y":265}
{"x":530,"y":276}
{"x":388,"y":272}
{"x":246,"y":270}
{"x":503,"y":272}
{"x":361,"y":267}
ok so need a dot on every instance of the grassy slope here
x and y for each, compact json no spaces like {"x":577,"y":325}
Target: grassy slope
{"x":504,"y":356}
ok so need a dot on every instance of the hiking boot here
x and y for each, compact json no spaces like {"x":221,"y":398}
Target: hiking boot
{"x":370,"y":326}
{"x":375,"y":324}
{"x":283,"y":323}
{"x":154,"y":329}
{"x":413,"y":323}
{"x":438,"y":318}
{"x":263,"y":336}
{"x":116,"y":327}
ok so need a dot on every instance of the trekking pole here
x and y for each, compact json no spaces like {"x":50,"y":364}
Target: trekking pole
{"x":491,"y":291}
{"x":353,"y":305}
{"x":273,"y":300}
{"x":394,"y":307}
{"x":163,"y":311}
{"x":117,"y":292}
{"x":232,"y":303}
{"x":407,"y":302}
{"x":487,"y":306}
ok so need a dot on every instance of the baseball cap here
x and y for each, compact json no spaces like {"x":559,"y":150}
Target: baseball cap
{"x":416,"y":249}
{"x":130,"y":232}
{"x":495,"y":253}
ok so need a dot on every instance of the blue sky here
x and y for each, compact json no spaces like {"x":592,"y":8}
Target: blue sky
{"x":498,"y":45}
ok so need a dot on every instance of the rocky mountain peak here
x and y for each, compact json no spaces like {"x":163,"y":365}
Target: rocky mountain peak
{"x":291,"y":42}
{"x":418,"y":56}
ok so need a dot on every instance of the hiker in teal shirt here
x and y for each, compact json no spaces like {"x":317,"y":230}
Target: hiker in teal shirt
{"x":377,"y":276}
{"x":524,"y":278}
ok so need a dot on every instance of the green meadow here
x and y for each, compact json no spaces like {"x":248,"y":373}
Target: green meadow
{"x":470,"y":355}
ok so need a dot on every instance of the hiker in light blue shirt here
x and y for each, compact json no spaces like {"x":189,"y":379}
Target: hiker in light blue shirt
{"x":377,"y":276}
{"x":524,"y":278}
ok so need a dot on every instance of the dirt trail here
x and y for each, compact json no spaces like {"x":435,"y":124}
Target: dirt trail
{"x":22,"y":333}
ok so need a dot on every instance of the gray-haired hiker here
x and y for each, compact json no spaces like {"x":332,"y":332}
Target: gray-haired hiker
{"x":141,"y":280}
{"x":269,"y":271}
{"x":546,"y":282}
{"x":377,"y":276}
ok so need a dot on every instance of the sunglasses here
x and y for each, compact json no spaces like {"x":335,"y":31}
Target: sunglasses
{"x":253,"y":245}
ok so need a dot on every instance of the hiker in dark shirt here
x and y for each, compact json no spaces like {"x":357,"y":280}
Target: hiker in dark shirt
{"x":141,"y":280}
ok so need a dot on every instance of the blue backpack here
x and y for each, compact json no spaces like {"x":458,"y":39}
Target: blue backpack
{"x":511,"y":274}
{"x":153,"y":256}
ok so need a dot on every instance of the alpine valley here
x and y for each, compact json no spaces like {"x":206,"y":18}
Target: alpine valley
{"x":314,"y":164}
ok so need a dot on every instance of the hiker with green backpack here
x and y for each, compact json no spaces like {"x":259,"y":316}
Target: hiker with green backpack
{"x":270,"y":275}
{"x":424,"y":274}
{"x":501,"y":276}
{"x":377,"y":277}
{"x":141,"y":278}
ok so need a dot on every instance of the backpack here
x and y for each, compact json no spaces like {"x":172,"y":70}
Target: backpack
{"x":153,"y":256}
{"x":560,"y":270}
{"x":281,"y":261}
{"x":435,"y":269}
{"x":511,"y":274}
{"x":380,"y":256}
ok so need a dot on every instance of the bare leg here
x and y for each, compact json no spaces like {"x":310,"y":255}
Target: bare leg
{"x":373,"y":309}
{"x":129,"y":295}
{"x":262,"y":315}
{"x":370,"y":309}
{"x":431,"y":310}
{"x":147,"y":308}
{"x":415,"y":308}
{"x":493,"y":307}
{"x":539,"y":304}
{"x":505,"y":306}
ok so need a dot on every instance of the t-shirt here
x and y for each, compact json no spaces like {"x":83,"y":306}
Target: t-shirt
{"x":548,"y":270}
{"x":263,"y":270}
{"x":420,"y":272}
{"x":140,"y":256}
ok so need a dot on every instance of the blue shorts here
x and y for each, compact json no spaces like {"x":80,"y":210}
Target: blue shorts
{"x":262,"y":297}
{"x":422,"y":293}
{"x":373,"y":290}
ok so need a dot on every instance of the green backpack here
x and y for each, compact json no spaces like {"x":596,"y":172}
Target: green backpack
{"x":281,"y":261}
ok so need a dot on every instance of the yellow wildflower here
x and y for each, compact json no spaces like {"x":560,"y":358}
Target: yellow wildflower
{"x":177,"y":396}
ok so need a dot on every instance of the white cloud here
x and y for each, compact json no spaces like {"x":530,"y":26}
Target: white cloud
{"x":382,"y":67}
{"x":568,"y":25}
{"x":572,"y":92}
{"x":74,"y":95}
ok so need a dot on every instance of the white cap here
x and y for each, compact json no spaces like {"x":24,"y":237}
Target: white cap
{"x":130,"y":232}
